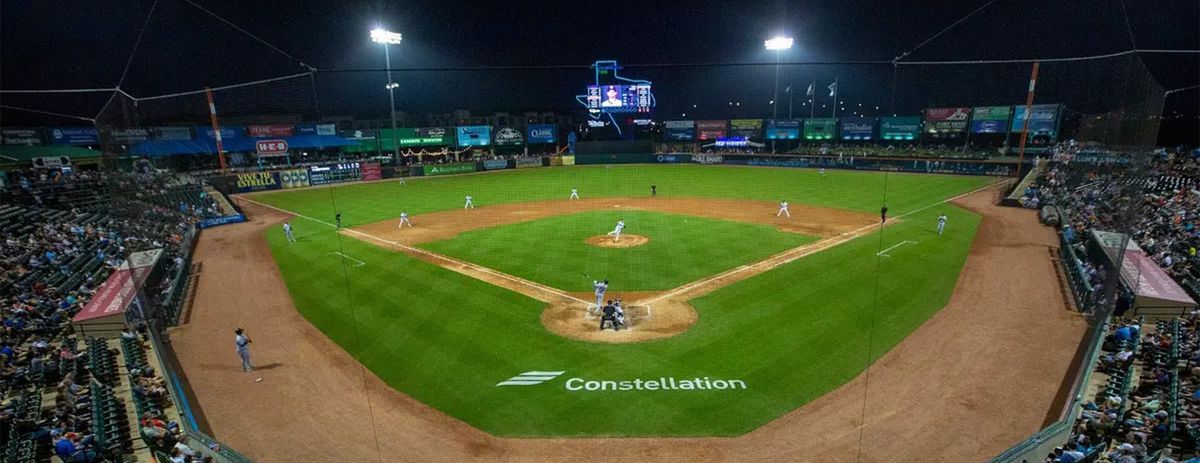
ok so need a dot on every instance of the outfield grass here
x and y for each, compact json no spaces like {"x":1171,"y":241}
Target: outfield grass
{"x":791,"y":334}
{"x":362,"y":203}
{"x":682,"y":249}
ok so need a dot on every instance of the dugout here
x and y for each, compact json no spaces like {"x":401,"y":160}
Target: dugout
{"x":1154,"y":293}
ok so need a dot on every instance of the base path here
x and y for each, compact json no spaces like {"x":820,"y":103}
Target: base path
{"x":977,"y":377}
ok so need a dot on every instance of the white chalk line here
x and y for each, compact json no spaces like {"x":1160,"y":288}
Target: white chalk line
{"x":902,"y":243}
{"x":434,"y":255}
{"x":360,"y":263}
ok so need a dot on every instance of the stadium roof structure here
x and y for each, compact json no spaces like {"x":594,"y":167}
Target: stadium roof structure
{"x":233,"y":145}
{"x":1155,"y":292}
{"x":24,"y":153}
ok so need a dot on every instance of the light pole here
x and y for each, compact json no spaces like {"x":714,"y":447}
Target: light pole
{"x":778,"y":45}
{"x":386,"y":37}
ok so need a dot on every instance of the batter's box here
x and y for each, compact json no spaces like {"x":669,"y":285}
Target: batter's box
{"x":634,"y":314}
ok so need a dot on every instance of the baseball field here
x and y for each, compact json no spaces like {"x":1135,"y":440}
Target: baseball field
{"x":737,"y":316}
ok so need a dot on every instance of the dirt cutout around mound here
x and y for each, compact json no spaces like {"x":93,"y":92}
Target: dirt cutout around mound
{"x":626,"y":241}
{"x":991,"y":361}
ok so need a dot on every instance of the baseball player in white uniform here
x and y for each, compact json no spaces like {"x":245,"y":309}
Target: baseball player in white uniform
{"x":600,"y":287}
{"x":404,"y":220}
{"x":402,"y":182}
{"x":574,"y":193}
{"x":469,"y":204}
{"x":616,"y":233}
{"x":287,"y":231}
{"x":941,"y":223}
{"x":783,"y":211}
{"x":242,"y":343}
{"x":620,"y":312}
{"x":821,"y":172}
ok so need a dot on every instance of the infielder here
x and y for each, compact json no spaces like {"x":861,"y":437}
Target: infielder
{"x":243,"y":348}
{"x":469,"y":204}
{"x":287,"y":231}
{"x":338,"y":219}
{"x":616,"y":233}
{"x":402,"y":182}
{"x":783,"y":211}
{"x":941,"y":223}
{"x":574,"y":193}
{"x":600,"y":287}
{"x":821,"y":172}
{"x":404,"y":220}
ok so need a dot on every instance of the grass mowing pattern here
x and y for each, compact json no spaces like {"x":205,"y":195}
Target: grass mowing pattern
{"x":363,"y":203}
{"x":792,"y":334}
{"x":682,"y":249}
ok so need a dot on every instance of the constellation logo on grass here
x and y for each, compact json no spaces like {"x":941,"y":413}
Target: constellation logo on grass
{"x":530,"y":378}
{"x":666,"y":383}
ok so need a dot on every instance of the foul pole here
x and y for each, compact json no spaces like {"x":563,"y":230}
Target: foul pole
{"x":212,"y":115}
{"x":1025,"y":125}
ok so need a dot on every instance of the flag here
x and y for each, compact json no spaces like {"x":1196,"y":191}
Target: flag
{"x":833,"y":89}
{"x":810,"y":88}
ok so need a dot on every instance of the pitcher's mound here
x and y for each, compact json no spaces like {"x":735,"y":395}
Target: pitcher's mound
{"x":627,"y":241}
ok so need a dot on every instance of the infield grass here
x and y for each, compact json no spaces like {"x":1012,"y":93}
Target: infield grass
{"x":791,"y":334}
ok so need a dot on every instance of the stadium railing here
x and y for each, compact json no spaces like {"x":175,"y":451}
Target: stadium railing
{"x":1081,"y":288}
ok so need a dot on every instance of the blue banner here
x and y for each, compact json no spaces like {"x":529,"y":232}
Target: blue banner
{"x":74,"y":136}
{"x":679,"y":130}
{"x":227,"y":132}
{"x":542,"y":133}
{"x":1043,"y":122}
{"x":315,"y":129}
{"x":988,"y":126}
{"x":222,"y":220}
{"x":783,"y":129}
{"x":495,"y":164}
{"x":858,"y":128}
{"x":474,"y":135}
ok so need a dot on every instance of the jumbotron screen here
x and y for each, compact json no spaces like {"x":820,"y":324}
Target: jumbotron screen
{"x":619,"y":98}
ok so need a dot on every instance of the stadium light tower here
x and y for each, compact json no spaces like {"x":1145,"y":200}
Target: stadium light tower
{"x":385,"y":38}
{"x":778,"y":45}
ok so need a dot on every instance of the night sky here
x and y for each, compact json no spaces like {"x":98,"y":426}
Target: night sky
{"x":76,"y":44}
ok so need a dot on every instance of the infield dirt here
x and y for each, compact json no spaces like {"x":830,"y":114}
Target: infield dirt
{"x":977,"y":377}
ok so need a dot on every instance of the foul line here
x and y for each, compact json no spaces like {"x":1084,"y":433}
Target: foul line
{"x":412,"y":250}
{"x":902,"y":243}
{"x":360,"y":263}
{"x":812,"y":248}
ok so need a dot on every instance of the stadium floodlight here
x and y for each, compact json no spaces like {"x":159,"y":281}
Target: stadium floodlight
{"x":384,"y":36}
{"x":778,"y":43}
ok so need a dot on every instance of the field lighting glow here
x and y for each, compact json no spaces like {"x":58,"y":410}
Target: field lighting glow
{"x":385,"y":36}
{"x":778,"y":43}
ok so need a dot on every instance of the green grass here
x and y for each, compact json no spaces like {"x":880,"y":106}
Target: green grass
{"x":792,"y":334}
{"x":363,"y":203}
{"x":682,"y":249}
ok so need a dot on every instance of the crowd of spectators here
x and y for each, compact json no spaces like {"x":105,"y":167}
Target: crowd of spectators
{"x":54,"y":255}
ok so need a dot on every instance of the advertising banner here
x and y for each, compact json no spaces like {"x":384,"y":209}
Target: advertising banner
{"x":820,"y":128}
{"x":749,"y":128}
{"x":74,"y":136}
{"x":679,"y":130}
{"x":707,"y":158}
{"x":473,"y":135}
{"x":21,"y":137}
{"x":542,"y":133}
{"x":257,"y":181}
{"x":783,"y":129}
{"x":495,"y":164}
{"x":269,"y":131}
{"x":568,"y":160}
{"x":903,"y":128}
{"x":316,"y":129}
{"x":1044,"y":121}
{"x":711,"y":130}
{"x":732,"y":142}
{"x":858,"y":128}
{"x":447,"y":169}
{"x":526,"y":162}
{"x":293,"y":178}
{"x":172,"y":133}
{"x":222,"y":220}
{"x":227,"y":132}
{"x":371,"y":171}
{"x":509,"y":136}
{"x":408,"y":137}
{"x":269,"y":148}
{"x":129,"y":136}
{"x":990,"y":119}
{"x":672,"y":158}
{"x":946,"y":122}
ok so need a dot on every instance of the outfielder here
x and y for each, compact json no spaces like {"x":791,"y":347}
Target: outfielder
{"x":941,"y":223}
{"x":243,"y":348}
{"x":616,"y":233}
{"x":783,"y":211}
{"x":404,"y":220}
{"x":469,"y":204}
{"x":821,"y":172}
{"x":574,"y":193}
{"x":287,"y":231}
{"x":600,"y":287}
{"x":402,"y":182}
